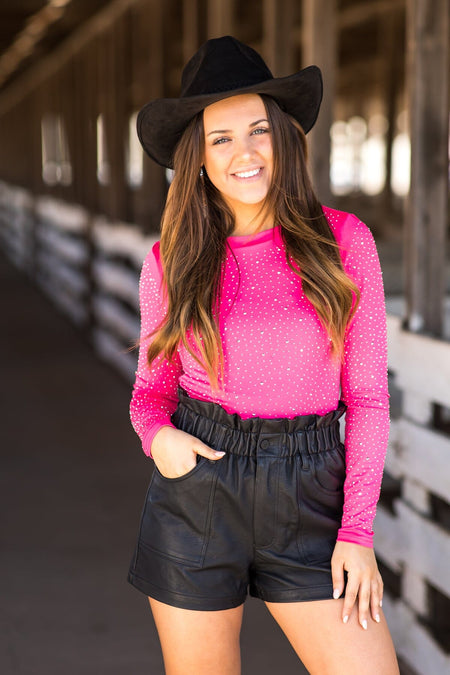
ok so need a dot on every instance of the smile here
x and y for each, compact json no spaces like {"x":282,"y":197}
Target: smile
{"x":248,"y":174}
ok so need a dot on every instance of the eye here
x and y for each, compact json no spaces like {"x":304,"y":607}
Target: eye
{"x":260,"y":130}
{"x":219,"y":141}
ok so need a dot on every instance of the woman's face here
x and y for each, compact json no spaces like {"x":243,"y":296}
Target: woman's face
{"x":238,"y":151}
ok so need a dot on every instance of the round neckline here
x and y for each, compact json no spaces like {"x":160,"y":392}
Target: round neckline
{"x":237,"y":240}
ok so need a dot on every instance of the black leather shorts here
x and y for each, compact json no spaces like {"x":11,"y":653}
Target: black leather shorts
{"x":263,"y":519}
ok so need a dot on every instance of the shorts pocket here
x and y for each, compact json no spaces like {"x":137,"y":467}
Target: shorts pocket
{"x":186,"y":475}
{"x":320,"y":499}
{"x":328,"y":470}
{"x":177,"y":514}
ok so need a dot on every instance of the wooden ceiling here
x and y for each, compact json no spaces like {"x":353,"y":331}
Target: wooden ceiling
{"x":362,"y":25}
{"x":13,"y":17}
{"x":59,"y":19}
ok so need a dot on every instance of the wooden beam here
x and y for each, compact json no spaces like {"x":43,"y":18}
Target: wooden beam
{"x":277,"y":36}
{"x":34,"y":76}
{"x":191,"y":40}
{"x":354,"y":15}
{"x":365,"y":72}
{"x":427,"y":205}
{"x":148,"y":21}
{"x":391,"y":78}
{"x":319,"y":48}
{"x":367,"y":11}
{"x":115,"y":119}
{"x":65,"y":85}
{"x":220,"y":18}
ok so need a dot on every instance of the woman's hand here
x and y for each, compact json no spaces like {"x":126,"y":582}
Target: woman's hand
{"x":363,"y":582}
{"x":175,"y":452}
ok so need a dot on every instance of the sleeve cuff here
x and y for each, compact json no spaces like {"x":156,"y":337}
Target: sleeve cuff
{"x":360,"y":537}
{"x":151,"y":433}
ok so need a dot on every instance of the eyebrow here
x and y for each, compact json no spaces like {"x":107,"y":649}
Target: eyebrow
{"x":227,"y":131}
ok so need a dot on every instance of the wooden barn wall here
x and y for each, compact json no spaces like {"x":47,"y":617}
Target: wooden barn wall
{"x":112,"y":74}
{"x":133,"y":50}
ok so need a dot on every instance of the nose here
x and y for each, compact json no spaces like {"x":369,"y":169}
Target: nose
{"x":244,"y":148}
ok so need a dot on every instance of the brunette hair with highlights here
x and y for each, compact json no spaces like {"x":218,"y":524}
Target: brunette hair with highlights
{"x":194,"y":227}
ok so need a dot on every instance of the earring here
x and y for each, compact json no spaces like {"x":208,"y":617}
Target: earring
{"x":202,"y":173}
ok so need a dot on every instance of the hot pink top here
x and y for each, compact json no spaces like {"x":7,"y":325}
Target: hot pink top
{"x":276,"y":356}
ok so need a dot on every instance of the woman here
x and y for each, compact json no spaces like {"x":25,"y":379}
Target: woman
{"x":260,"y":308}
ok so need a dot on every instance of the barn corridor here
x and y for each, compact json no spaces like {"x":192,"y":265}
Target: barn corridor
{"x":73,"y":481}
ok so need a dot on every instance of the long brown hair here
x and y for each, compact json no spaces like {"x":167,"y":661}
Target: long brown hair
{"x":196,"y":222}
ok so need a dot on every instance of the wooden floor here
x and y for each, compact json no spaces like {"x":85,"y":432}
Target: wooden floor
{"x":73,"y":480}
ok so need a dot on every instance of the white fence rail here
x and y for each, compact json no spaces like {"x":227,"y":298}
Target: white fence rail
{"x":90,"y":268}
{"x":409,"y":542}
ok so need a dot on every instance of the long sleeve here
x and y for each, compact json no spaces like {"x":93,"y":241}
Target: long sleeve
{"x":364,"y":389}
{"x":154,"y":396}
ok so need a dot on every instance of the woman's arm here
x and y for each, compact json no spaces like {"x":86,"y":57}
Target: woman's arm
{"x":154,"y":396}
{"x":364,"y":388}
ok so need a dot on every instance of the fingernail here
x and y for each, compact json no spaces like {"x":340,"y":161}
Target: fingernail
{"x":364,"y":624}
{"x":219,"y":453}
{"x":345,"y":619}
{"x":377,"y":618}
{"x":336,"y":593}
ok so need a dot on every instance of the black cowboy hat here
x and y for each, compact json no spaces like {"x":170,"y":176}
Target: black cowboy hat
{"x":221,"y":68}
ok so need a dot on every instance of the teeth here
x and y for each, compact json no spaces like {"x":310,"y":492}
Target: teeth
{"x":247,"y":174}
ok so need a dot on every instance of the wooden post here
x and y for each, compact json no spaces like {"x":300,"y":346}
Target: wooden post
{"x":65,"y":83}
{"x":147,"y":47}
{"x":391,"y":73}
{"x":34,"y":134}
{"x":220,"y":18}
{"x":88,"y":87}
{"x":319,"y":39}
{"x":427,"y":206}
{"x":100,"y":108}
{"x":277,"y":38}
{"x":191,"y":40}
{"x":116,"y":105}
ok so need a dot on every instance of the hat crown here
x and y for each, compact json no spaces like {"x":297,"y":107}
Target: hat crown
{"x":223,"y":64}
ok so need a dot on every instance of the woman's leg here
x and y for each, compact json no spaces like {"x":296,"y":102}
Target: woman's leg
{"x":198,"y":643}
{"x":327,"y":646}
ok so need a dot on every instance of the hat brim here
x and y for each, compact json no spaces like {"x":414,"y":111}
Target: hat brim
{"x":161,"y":122}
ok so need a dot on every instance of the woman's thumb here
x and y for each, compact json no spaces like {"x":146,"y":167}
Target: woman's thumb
{"x":209,"y":453}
